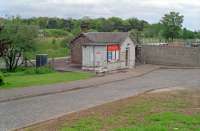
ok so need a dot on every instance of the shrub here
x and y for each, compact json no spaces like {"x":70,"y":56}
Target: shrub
{"x":43,"y":70}
{"x":55,"y":32}
{"x":65,"y":42}
{"x":53,"y":41}
{"x":39,"y":70}
{"x":20,"y":69}
{"x":30,"y":71}
{"x":1,"y":79}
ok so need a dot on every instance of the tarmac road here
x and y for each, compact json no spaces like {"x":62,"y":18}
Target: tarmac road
{"x":23,"y":112}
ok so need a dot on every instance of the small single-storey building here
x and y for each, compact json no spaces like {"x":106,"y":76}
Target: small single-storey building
{"x":103,"y":51}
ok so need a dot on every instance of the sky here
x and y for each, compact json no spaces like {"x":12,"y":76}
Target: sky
{"x":149,"y":10}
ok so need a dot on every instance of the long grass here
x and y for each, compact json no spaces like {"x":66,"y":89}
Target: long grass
{"x":50,"y":45}
{"x":159,"y":113}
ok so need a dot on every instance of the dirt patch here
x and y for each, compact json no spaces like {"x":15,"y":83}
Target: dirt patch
{"x":141,"y":106}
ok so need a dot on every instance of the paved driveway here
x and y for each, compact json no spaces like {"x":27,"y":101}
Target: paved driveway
{"x":19,"y":113}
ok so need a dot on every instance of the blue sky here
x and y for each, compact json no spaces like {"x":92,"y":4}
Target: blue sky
{"x":150,"y":10}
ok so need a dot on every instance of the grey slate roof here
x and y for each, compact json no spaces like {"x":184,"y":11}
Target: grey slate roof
{"x":106,"y":37}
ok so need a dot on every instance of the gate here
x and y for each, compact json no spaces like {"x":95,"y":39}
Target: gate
{"x":138,"y":55}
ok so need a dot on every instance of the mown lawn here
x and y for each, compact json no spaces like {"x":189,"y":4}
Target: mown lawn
{"x":168,"y":111}
{"x":14,"y":80}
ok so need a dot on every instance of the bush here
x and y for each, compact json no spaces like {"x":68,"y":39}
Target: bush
{"x":20,"y":69}
{"x":40,"y":70}
{"x":30,"y":71}
{"x":1,"y":79}
{"x":65,"y":42}
{"x":55,"y":32}
{"x":43,"y":70}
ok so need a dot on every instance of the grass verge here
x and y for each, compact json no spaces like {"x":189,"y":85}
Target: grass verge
{"x":19,"y":79}
{"x":166,"y":111}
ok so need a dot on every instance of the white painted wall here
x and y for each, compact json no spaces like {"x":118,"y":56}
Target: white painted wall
{"x":96,"y":57}
{"x":128,"y":43}
{"x":87,"y":56}
{"x":100,"y":56}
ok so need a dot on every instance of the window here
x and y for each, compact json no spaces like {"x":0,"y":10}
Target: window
{"x":113,"y":53}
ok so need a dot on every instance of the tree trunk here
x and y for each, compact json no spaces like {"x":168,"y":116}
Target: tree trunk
{"x":11,"y":59}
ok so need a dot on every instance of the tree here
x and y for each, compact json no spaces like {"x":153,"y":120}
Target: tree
{"x":173,"y":24}
{"x":187,"y":34}
{"x":154,"y":31}
{"x":197,"y":34}
{"x":66,"y":41}
{"x":136,"y":36}
{"x":116,"y":23}
{"x":112,"y":24}
{"x":99,"y":24}
{"x":134,"y":23}
{"x":42,"y":22}
{"x":17,"y":40}
{"x":85,"y":24}
{"x":52,"y":23}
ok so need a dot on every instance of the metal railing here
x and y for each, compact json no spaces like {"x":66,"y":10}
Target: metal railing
{"x":176,"y":42}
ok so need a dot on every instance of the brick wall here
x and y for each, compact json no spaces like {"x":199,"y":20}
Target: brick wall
{"x":76,"y":49}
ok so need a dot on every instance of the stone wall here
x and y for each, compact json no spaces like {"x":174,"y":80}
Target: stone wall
{"x":177,"y":56}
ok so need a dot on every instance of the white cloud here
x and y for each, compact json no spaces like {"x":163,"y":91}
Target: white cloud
{"x":150,"y":10}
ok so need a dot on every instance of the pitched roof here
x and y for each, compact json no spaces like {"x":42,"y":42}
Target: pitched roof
{"x":106,"y":37}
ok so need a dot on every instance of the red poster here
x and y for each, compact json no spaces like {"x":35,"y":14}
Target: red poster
{"x":113,"y":47}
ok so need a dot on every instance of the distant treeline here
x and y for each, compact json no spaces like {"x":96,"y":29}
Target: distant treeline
{"x":113,"y":24}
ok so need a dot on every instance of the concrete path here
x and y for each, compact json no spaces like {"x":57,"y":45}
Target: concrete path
{"x":21,"y":93}
{"x":23,"y":112}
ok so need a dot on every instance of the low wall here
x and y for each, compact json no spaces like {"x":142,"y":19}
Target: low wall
{"x":165,"y":55}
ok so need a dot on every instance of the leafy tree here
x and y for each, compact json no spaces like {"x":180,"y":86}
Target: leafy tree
{"x":99,"y":24}
{"x":112,"y":24}
{"x":187,"y":34}
{"x":85,"y":24}
{"x":136,"y":36}
{"x":134,"y":23}
{"x":52,"y":23}
{"x":172,"y":25}
{"x":65,"y":42}
{"x":18,"y":39}
{"x":169,"y":27}
{"x":126,"y":26}
{"x":42,"y":22}
{"x":197,"y":34}
{"x":116,"y":23}
{"x":154,"y":31}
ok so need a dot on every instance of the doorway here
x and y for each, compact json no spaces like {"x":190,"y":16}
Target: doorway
{"x":138,"y":55}
{"x":127,"y":56}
